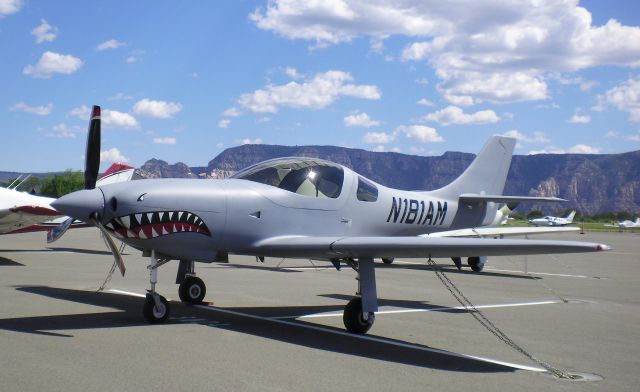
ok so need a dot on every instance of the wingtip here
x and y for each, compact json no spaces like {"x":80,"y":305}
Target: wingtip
{"x":602,"y":247}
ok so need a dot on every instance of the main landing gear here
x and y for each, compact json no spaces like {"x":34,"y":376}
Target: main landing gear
{"x":359,"y":314}
{"x":477,"y":263}
{"x":192,"y":289}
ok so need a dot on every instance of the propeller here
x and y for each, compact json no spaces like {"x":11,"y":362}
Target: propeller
{"x":114,"y":249}
{"x":91,"y":167}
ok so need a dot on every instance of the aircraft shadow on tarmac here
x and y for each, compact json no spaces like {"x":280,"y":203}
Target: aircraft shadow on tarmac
{"x":444,"y":267}
{"x":318,"y":337}
{"x":5,"y":262}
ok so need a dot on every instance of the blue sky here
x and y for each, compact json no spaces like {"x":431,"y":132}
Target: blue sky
{"x":183,"y":81}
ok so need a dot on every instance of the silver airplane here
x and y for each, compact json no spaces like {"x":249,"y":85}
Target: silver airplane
{"x":304,"y":208}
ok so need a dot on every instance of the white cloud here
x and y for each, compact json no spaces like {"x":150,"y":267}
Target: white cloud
{"x":425,"y":102}
{"x":379,"y":148}
{"x":219,"y":145}
{"x":113,"y":118}
{"x":292,"y":73}
{"x":51,"y":63}
{"x":44,"y":32}
{"x":120,"y":96}
{"x":9,"y":6}
{"x":164,"y":140}
{"x":455,"y":115}
{"x":157,"y":109}
{"x":420,"y":133}
{"x":39,"y":110}
{"x":579,"y":119}
{"x":232,"y":112}
{"x":360,"y":120}
{"x":577,"y":149}
{"x":491,"y":50}
{"x":378,"y":137}
{"x":110,"y":44}
{"x":109,"y":118}
{"x":64,"y":131}
{"x":82,"y":112}
{"x":224,"y":123}
{"x":112,"y":155}
{"x":625,"y":97}
{"x":612,"y":135}
{"x":250,"y":141}
{"x":538,"y":137}
{"x":131,"y":60}
{"x":632,"y":138}
{"x":316,"y":93}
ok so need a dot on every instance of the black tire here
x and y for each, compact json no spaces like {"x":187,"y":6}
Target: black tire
{"x":192,"y":290}
{"x":353,"y":317}
{"x":388,"y":260}
{"x":474,"y":263}
{"x":151,"y":313}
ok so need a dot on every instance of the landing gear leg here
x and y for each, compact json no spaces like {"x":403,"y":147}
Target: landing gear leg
{"x":458,"y":262}
{"x":192,"y":289}
{"x":156,"y":307}
{"x":359,"y":314}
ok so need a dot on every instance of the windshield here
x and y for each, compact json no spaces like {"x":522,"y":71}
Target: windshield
{"x":304,"y":176}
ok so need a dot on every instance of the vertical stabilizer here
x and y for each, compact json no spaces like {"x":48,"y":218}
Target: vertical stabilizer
{"x":487,"y":173}
{"x":570,"y":217}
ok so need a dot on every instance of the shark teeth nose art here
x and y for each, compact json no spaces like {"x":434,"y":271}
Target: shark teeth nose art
{"x":154,"y":224}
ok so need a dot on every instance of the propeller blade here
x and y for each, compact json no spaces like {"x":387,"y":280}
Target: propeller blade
{"x":55,"y":233}
{"x":111,"y":244}
{"x":92,"y":160}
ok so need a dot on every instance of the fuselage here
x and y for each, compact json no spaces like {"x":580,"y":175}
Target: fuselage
{"x":232,"y":215}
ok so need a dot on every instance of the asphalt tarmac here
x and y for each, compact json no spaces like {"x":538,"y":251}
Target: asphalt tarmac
{"x":278,"y":326}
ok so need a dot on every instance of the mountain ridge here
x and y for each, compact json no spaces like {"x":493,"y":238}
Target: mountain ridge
{"x":592,"y":183}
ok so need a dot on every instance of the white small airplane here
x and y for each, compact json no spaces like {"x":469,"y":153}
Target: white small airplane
{"x":22,"y":212}
{"x":626,"y":224}
{"x":553,"y":220}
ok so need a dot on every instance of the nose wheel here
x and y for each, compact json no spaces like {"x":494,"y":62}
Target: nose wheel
{"x":192,"y":290}
{"x":156,"y":308}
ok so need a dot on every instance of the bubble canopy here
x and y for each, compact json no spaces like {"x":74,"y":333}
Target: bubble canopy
{"x":304,"y":176}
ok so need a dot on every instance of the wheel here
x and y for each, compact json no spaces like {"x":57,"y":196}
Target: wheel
{"x":476,"y":263}
{"x":354,"y":319}
{"x":192,"y":290}
{"x":388,"y":260}
{"x":152,"y":313}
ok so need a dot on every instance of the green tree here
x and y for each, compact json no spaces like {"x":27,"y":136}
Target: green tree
{"x":67,"y":182}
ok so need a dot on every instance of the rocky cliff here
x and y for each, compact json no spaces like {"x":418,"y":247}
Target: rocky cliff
{"x":591,"y":183}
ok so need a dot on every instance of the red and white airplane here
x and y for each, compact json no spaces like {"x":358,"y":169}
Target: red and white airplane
{"x":22,"y":212}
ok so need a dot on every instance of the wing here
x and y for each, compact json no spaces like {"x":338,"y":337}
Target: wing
{"x":16,"y":218}
{"x":482,"y":232}
{"x":355,"y":247}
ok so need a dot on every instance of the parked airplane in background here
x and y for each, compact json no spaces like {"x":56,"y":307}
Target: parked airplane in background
{"x":553,"y":220}
{"x":626,"y":224}
{"x":23,"y":212}
{"x":302,"y":208}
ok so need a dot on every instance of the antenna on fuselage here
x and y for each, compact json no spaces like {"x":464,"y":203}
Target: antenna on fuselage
{"x":14,"y":181}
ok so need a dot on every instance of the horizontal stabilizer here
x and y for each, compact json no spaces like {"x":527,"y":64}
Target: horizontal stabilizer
{"x":502,"y":231}
{"x":508,"y":199}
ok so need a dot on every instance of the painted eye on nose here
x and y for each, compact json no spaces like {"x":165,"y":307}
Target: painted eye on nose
{"x":141,"y":197}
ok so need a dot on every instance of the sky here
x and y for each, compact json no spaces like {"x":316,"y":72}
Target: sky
{"x":182,"y":81}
